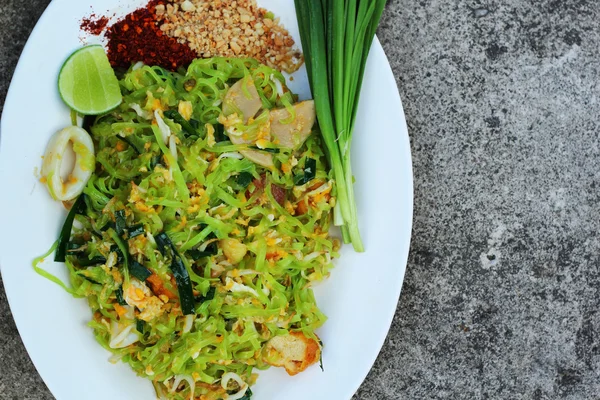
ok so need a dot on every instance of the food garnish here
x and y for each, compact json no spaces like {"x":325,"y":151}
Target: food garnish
{"x":197,"y":256}
{"x":83,"y":147}
{"x":336,"y":38}
{"x":203,"y":218}
{"x":215,"y":28}
{"x":170,"y":34}
{"x":87,"y":83}
{"x":137,"y":38}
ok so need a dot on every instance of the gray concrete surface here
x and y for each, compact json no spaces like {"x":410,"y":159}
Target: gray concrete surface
{"x":501,"y":295}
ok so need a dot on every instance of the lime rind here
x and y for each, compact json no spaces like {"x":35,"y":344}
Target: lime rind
{"x":87,"y":83}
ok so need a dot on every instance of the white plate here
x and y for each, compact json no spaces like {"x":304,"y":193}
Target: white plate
{"x":360,"y":297}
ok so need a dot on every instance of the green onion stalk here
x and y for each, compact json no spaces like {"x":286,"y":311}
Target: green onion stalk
{"x":336,"y":37}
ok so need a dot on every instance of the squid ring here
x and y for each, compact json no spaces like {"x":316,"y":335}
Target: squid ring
{"x":85,"y":162}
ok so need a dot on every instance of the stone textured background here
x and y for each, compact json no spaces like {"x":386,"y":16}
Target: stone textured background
{"x":501,"y":294}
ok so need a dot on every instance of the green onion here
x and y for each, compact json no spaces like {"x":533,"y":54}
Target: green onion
{"x":135,"y":231}
{"x":139,"y":325}
{"x":154,"y":162}
{"x":180,"y":272}
{"x":184,"y":285}
{"x":266,"y":149}
{"x":131,"y":144}
{"x":89,"y":262}
{"x":119,"y":296}
{"x":139,"y":271}
{"x":220,"y":134}
{"x":87,"y":123}
{"x":178,"y":119}
{"x":210,"y":250}
{"x":210,"y":294}
{"x":310,"y":170}
{"x":74,"y":247}
{"x":321,"y":356}
{"x":121,"y":250}
{"x":115,"y":248}
{"x":65,"y":233}
{"x":107,"y":226}
{"x":336,"y":38}
{"x":120,"y":223}
{"x":163,"y":242}
{"x":247,"y":395}
{"x":244,"y":179}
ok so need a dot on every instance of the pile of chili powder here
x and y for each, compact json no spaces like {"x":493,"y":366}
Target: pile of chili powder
{"x":137,"y":37}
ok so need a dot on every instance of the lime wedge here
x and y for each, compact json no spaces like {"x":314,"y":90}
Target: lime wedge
{"x":87,"y":82}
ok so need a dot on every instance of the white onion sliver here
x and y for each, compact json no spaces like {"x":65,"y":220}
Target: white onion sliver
{"x":130,"y":314}
{"x":77,"y":225}
{"x":123,"y":338}
{"x":249,"y":272}
{"x":141,"y":189}
{"x":188,"y":379}
{"x":320,"y":189}
{"x":238,"y":287}
{"x":111,"y":261}
{"x":189,"y":323}
{"x":173,"y":147}
{"x":204,"y":245}
{"x":243,"y":385}
{"x":115,"y":358}
{"x":231,"y":155}
{"x":216,"y":208}
{"x":312,"y":256}
{"x":140,"y":112}
{"x":278,"y":86}
{"x":164,"y":128}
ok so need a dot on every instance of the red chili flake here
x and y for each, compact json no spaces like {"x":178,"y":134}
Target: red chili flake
{"x":93,"y":24}
{"x":138,"y":37}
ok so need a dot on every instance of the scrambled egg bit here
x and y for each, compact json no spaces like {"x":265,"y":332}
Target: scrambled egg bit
{"x":186,"y":109}
{"x":137,"y":294}
{"x":295,"y":352}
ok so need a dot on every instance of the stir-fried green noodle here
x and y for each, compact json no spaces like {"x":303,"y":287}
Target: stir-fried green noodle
{"x":191,"y":256}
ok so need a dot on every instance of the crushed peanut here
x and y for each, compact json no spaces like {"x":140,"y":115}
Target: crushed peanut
{"x":229,"y":28}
